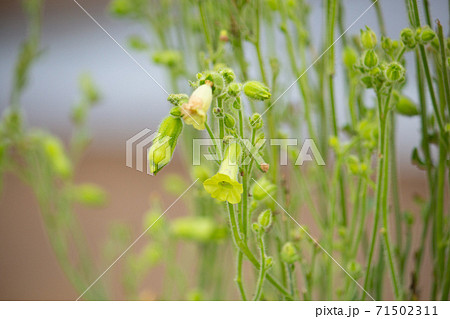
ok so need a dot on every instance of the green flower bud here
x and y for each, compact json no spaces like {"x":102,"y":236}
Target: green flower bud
{"x":150,"y":256}
{"x":289,"y":253}
{"x":154,"y":219}
{"x":234,"y":89}
{"x":350,"y":57}
{"x":367,"y":81}
{"x":256,"y":90}
{"x":163,"y":146}
{"x":256,"y":227}
{"x":405,"y":106}
{"x":408,"y":38}
{"x":368,"y":38}
{"x":388,"y":45}
{"x":174,"y":184}
{"x":265,"y":219}
{"x":195,"y":295}
{"x":256,"y":121}
{"x":425,"y":35}
{"x":370,"y":59}
{"x":176,"y":111}
{"x":57,"y":157}
{"x":199,"y":229}
{"x":168,"y":58}
{"x":237,"y":103}
{"x":355,"y":269}
{"x":216,"y":82}
{"x":352,"y":164}
{"x":121,"y":7}
{"x":262,"y":188}
{"x":395,"y":72}
{"x":137,"y":43}
{"x":201,"y":172}
{"x":178,"y":99}
{"x":89,"y":195}
{"x":229,"y":120}
{"x":268,"y":262}
{"x":88,"y":88}
{"x":227,"y":74}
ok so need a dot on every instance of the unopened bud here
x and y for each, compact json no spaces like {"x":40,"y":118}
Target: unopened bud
{"x":256,"y":90}
{"x":176,"y":111}
{"x":405,"y":106}
{"x":227,"y":74}
{"x":262,"y":188}
{"x":289,"y":253}
{"x":234,"y":89}
{"x":368,"y":38}
{"x":425,"y":35}
{"x":237,"y":103}
{"x":163,"y":146}
{"x":229,"y":120}
{"x":395,"y":72}
{"x":178,"y":99}
{"x":349,"y":57}
{"x":408,"y":38}
{"x":89,"y":195}
{"x":256,"y":121}
{"x":265,"y":219}
{"x":370,"y":59}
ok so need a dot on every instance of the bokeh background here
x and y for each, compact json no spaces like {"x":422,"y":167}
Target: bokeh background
{"x":130,"y":102}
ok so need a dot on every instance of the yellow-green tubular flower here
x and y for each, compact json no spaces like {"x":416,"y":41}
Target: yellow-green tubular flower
{"x":163,"y":146}
{"x":194,"y":111}
{"x":224,"y":186}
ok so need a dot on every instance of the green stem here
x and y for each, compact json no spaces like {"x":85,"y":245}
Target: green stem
{"x":239,"y":275}
{"x":385,"y":206}
{"x":262,"y":270}
{"x":381,"y":143}
{"x":213,"y":137}
{"x":246,"y":251}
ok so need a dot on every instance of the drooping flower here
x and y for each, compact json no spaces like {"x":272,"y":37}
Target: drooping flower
{"x":194,"y":111}
{"x":224,"y":186}
{"x":163,"y":146}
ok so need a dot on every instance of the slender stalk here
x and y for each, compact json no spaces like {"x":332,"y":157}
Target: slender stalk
{"x":239,"y":275}
{"x":213,"y":137}
{"x":246,"y":251}
{"x":427,"y":72}
{"x":385,"y":208}
{"x":262,"y":270}
{"x":380,"y":175}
